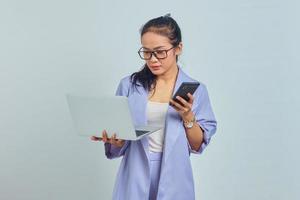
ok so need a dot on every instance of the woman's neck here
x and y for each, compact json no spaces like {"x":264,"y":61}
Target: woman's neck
{"x":168,"y":76}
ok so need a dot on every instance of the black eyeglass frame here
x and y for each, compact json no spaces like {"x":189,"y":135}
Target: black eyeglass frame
{"x":140,"y":52}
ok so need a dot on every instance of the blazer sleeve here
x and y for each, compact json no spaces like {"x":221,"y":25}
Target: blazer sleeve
{"x":204,"y":117}
{"x":112,"y":151}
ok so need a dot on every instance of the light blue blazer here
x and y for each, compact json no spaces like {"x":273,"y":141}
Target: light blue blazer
{"x":176,"y":178}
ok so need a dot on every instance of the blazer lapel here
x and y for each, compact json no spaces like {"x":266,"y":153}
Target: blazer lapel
{"x":138,"y":104}
{"x":173,"y":119}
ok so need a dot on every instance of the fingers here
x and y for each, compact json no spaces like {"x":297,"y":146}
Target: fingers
{"x":191,"y":98}
{"x":94,"y":138}
{"x":175,"y":105}
{"x":104,"y":136}
{"x":183,"y":106}
{"x":120,"y":143}
{"x":183,"y":101}
{"x":115,"y":141}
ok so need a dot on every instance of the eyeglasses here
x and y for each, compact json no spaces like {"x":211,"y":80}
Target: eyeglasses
{"x":159,"y":54}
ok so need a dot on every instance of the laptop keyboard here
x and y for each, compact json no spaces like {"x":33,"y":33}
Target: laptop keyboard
{"x":140,"y":132}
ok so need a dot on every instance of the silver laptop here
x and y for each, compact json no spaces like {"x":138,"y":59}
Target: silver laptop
{"x":91,"y":115}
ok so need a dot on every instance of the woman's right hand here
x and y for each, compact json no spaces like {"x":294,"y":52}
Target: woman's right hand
{"x":113,"y":140}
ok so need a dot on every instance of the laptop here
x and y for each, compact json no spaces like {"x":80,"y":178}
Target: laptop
{"x":91,"y":115}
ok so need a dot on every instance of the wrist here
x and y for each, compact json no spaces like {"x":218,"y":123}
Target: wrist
{"x":189,"y":121}
{"x":188,"y":117}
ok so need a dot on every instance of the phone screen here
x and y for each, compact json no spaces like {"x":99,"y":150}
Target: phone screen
{"x":184,"y":89}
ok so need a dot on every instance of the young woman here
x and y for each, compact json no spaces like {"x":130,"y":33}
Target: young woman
{"x":158,"y":166}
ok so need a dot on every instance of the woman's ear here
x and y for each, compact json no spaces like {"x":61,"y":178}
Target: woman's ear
{"x":179,"y":49}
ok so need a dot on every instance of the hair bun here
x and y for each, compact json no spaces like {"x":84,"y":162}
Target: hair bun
{"x":167,"y":15}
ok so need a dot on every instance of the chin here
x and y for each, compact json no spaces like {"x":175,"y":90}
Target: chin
{"x":157,"y":72}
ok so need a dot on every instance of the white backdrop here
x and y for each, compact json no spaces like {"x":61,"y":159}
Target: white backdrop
{"x":245,"y":51}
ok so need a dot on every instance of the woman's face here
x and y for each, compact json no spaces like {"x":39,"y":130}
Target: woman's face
{"x":155,"y":42}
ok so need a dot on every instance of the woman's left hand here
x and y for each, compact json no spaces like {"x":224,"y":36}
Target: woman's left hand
{"x":185,"y":108}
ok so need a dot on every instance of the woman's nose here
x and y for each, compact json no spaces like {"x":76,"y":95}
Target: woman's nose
{"x":153,"y":57}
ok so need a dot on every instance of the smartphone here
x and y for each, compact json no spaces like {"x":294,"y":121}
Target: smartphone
{"x":184,"y":89}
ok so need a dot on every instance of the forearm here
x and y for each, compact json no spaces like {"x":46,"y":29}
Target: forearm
{"x":194,"y":135}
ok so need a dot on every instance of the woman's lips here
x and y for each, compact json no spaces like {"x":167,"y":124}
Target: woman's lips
{"x":155,"y":67}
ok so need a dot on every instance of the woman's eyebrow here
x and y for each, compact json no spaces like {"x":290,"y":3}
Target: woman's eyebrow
{"x":154,"y":48}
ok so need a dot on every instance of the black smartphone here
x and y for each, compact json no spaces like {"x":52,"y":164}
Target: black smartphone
{"x":184,"y":89}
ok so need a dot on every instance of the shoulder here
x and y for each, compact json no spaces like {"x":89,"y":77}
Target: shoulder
{"x":126,"y":80}
{"x":123,"y":87}
{"x":126,"y":86}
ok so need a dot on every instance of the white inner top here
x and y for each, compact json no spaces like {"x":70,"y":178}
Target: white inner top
{"x":156,"y":114}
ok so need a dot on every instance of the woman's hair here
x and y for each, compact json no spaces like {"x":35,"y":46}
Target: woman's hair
{"x":165,"y":26}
